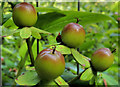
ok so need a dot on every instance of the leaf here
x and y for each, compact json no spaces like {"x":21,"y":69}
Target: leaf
{"x":34,"y":48}
{"x":35,"y":33}
{"x":110,"y":80}
{"x":46,"y":9}
{"x":51,"y":40}
{"x":63,"y":49}
{"x":87,"y":75}
{"x":55,"y":21}
{"x":25,"y":32}
{"x":72,"y":67}
{"x":80,"y":58}
{"x":61,"y":82}
{"x":29,"y":78}
{"x":67,"y":76}
{"x":6,"y":17}
{"x":38,"y":30}
{"x":45,"y":19}
{"x":23,"y":49}
{"x":10,"y":24}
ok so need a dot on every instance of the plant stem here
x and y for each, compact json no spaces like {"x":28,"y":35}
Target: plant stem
{"x":23,"y":63}
{"x":37,"y":46}
{"x":78,"y":48}
{"x":30,"y":51}
{"x":77,"y":64}
{"x":37,"y":39}
{"x":78,"y":5}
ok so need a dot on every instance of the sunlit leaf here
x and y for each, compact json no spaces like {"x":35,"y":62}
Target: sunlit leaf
{"x":87,"y":75}
{"x":35,"y":33}
{"x":63,"y":49}
{"x":80,"y":58}
{"x":29,"y":78}
{"x":61,"y":82}
{"x":25,"y":32}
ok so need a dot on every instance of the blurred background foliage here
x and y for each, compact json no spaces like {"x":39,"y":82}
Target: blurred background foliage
{"x":98,"y":35}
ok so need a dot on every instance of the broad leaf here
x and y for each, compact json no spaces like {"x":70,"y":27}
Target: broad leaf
{"x":46,"y":9}
{"x":87,"y":75}
{"x":61,"y":82}
{"x":80,"y":58}
{"x":55,"y":21}
{"x":25,"y":32}
{"x":29,"y":78}
{"x":45,"y":19}
{"x":63,"y":49}
{"x":110,"y":80}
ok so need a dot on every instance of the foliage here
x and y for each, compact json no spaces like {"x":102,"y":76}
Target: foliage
{"x":99,"y":20}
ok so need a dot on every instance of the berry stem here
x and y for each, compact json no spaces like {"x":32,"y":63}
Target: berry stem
{"x":113,"y":51}
{"x":54,"y":50}
{"x":77,"y":20}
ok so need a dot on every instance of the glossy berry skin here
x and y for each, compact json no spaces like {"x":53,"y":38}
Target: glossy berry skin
{"x":73,"y":35}
{"x":24,"y":14}
{"x":48,"y":65}
{"x":102,"y":59}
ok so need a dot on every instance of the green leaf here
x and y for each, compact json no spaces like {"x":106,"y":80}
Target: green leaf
{"x":10,"y":24}
{"x":63,"y":49}
{"x":80,"y":58}
{"x":61,"y":82}
{"x":47,"y":84}
{"x":55,"y":21}
{"x":45,"y":19}
{"x":110,"y":80}
{"x":38,"y":30}
{"x":6,"y":17}
{"x":87,"y":75}
{"x":67,"y":76}
{"x":51,"y":40}
{"x":29,"y":78}
{"x":25,"y":32}
{"x":46,"y":9}
{"x":23,"y":49}
{"x":35,"y":33}
{"x":34,"y":48}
